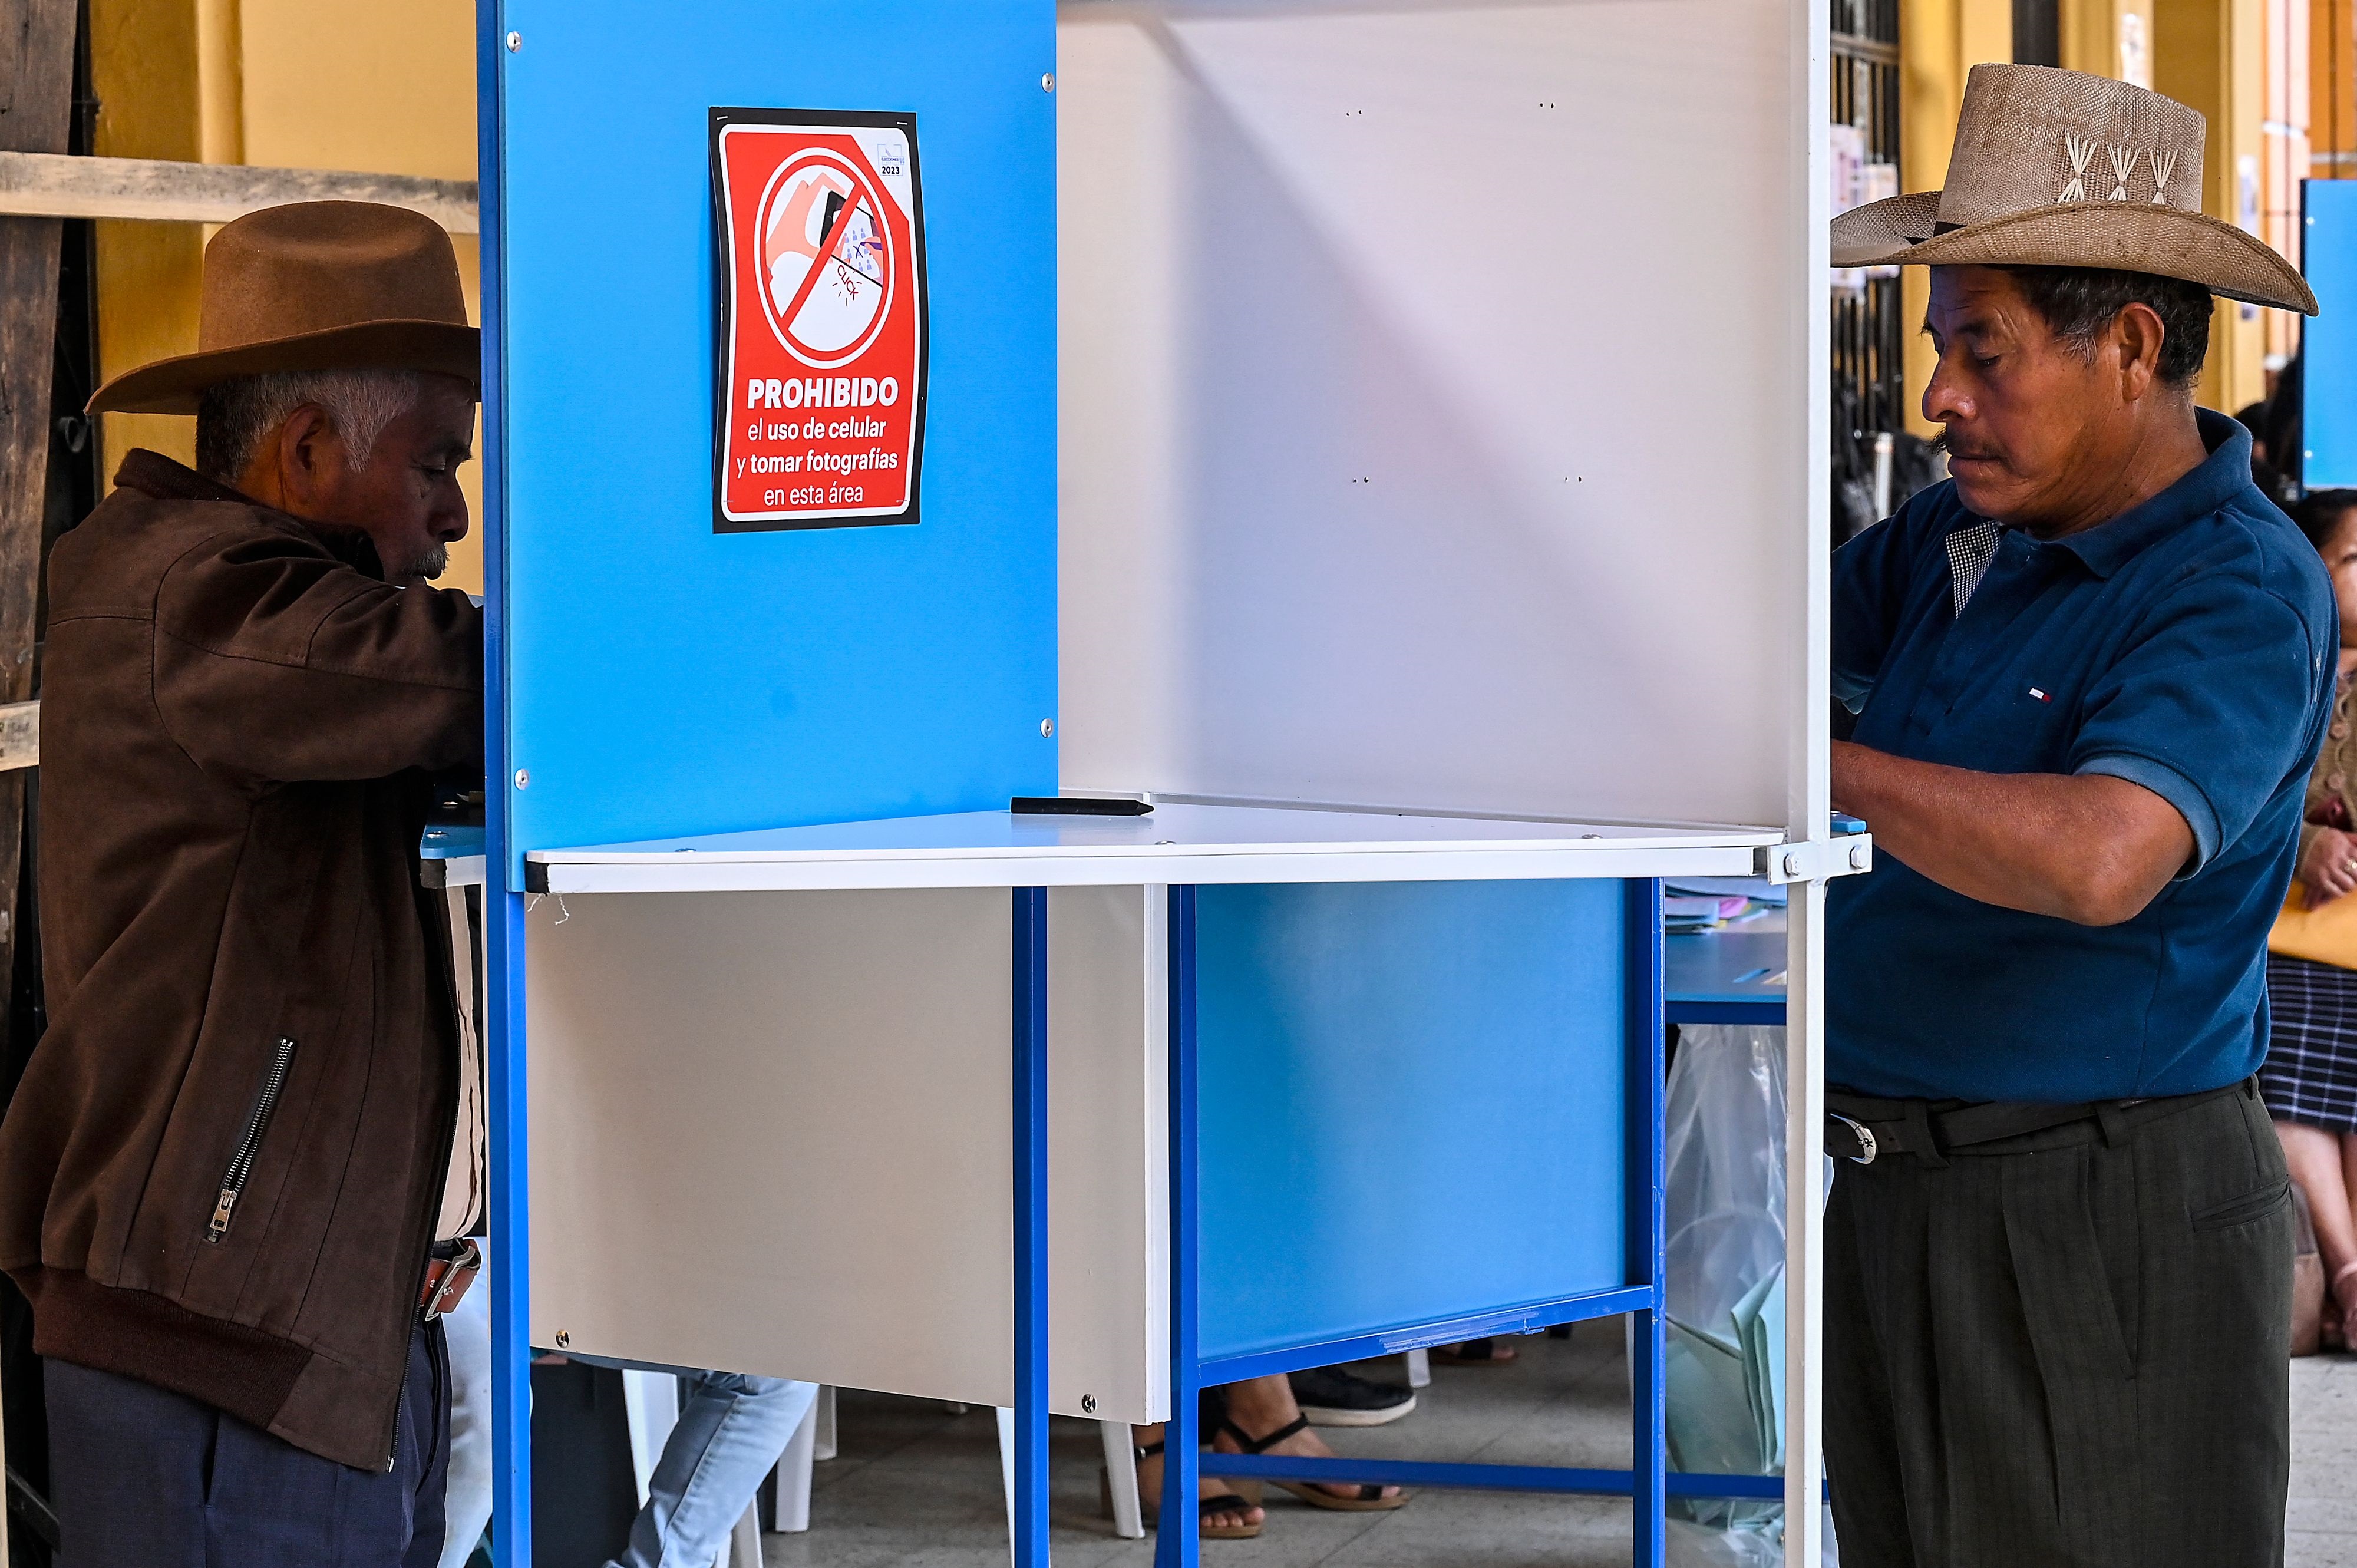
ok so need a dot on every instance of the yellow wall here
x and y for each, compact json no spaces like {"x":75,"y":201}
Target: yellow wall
{"x":2098,"y":36}
{"x":142,"y":61}
{"x":1939,"y":43}
{"x":334,"y":84}
{"x":2211,"y":54}
{"x":2332,"y":87}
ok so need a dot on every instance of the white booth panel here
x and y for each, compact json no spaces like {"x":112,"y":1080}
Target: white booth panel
{"x":842,"y":1212}
{"x":1434,"y":416}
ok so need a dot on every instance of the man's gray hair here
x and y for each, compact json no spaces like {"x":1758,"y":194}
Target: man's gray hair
{"x":235,"y":416}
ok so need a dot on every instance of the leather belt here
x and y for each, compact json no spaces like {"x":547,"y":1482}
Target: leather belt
{"x":1864,"y":1130}
{"x":448,"y":1271}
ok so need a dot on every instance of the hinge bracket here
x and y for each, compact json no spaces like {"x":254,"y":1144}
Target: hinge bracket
{"x":1817,"y":860}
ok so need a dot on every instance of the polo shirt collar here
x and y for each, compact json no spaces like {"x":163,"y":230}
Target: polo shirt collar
{"x":2224,"y":474}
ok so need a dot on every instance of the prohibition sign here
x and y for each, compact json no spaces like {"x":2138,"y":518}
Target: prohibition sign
{"x":821,"y":332}
{"x":828,"y":269}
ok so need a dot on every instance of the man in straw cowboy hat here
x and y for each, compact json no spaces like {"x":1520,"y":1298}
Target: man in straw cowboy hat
{"x":224,"y":1172}
{"x":2089,"y":674}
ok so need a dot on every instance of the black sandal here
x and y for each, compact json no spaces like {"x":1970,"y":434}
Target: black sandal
{"x":1205,"y":1508}
{"x":1475,"y":1353}
{"x":1369,"y":1499}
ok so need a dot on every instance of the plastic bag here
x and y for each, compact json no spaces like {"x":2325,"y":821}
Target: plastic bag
{"x":1724,"y":1150}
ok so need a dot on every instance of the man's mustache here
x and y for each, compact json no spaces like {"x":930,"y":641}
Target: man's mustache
{"x":1947,"y":445}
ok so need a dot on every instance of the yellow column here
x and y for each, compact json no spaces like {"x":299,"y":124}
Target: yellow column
{"x":1939,"y":42}
{"x":142,"y":61}
{"x":2210,"y":54}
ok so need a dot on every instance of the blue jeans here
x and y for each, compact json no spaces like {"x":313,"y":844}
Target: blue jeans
{"x":732,"y":1427}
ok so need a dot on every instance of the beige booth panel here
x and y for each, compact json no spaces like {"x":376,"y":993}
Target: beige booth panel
{"x":772,"y":1133}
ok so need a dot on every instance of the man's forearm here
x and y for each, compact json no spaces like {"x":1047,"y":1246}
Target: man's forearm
{"x":2088,"y":847}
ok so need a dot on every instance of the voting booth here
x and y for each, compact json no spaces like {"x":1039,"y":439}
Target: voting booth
{"x":2329,"y":341}
{"x":1257,"y":411}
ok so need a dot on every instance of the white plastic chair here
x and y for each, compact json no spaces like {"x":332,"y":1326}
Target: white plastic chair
{"x":651,"y":1401}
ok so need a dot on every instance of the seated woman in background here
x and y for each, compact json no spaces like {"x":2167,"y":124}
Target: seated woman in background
{"x":2310,"y":1078}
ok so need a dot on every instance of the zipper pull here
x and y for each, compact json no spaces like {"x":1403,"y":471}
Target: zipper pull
{"x":221,"y":1207}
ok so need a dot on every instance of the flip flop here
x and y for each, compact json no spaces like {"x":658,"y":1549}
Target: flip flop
{"x":1369,"y":1498}
{"x":1205,"y":1508}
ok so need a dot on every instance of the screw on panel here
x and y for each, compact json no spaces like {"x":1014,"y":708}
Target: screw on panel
{"x":564,"y":1339}
{"x":1088,"y":1404}
{"x":1857,"y":857}
{"x":523,"y":778}
{"x":1046,"y":726}
{"x":1047,"y":81}
{"x":1792,"y":866}
{"x":515,"y":42}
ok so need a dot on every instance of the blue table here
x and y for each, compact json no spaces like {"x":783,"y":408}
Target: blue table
{"x":1734,"y":976}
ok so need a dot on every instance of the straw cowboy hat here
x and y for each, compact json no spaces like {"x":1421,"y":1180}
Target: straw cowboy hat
{"x":2057,"y":168}
{"x":315,"y":285}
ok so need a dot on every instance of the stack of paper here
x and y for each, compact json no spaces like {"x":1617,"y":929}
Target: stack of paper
{"x":1706,"y":903}
{"x":1700,"y":912}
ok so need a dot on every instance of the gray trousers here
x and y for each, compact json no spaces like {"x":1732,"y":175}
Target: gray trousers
{"x":2061,"y":1350}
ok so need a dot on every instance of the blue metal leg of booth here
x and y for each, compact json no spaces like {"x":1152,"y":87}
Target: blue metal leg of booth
{"x":1030,"y":1228}
{"x":508,"y":1210}
{"x":1644,"y":1225}
{"x":509,"y":1217}
{"x":1176,"y":1548}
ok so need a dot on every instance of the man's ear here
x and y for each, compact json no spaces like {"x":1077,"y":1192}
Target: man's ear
{"x":306,"y":452}
{"x":2139,"y":332}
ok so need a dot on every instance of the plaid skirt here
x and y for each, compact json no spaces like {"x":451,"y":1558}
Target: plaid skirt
{"x":2310,"y":1073}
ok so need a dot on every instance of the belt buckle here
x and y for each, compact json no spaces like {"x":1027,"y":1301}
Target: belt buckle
{"x":444,"y":1289}
{"x":1865,"y":1139}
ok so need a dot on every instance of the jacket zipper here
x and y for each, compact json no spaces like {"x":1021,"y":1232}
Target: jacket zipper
{"x":257,"y":1122}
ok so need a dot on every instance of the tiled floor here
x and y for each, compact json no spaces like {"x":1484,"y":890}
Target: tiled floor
{"x":917,"y":1487}
{"x":2321,"y":1522}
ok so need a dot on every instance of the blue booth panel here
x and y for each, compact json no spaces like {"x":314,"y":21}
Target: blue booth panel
{"x":669,"y":679}
{"x":2328,"y":257}
{"x":1411,"y":1104}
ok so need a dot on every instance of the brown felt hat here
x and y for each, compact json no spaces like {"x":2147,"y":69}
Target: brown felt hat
{"x":2057,"y":168}
{"x":315,"y":285}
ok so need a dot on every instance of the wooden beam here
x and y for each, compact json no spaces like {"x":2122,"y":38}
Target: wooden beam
{"x":52,"y":185}
{"x":20,"y":735}
{"x":36,"y":75}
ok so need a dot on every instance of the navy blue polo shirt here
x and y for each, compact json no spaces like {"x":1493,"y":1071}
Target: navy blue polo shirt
{"x":2188,"y":644}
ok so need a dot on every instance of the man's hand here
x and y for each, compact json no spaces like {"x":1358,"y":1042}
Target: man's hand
{"x":2087,"y":848}
{"x":2327,"y":866}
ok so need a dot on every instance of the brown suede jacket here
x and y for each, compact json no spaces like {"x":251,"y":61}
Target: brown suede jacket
{"x":221,"y":1172}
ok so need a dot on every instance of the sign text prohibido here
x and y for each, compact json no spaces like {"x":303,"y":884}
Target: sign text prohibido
{"x":822,"y":353}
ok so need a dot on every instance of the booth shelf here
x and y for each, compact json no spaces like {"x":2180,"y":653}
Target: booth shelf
{"x":1192,"y":844}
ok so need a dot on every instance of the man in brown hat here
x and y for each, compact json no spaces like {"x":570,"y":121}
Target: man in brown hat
{"x":2089,"y":674}
{"x":223,"y":1173}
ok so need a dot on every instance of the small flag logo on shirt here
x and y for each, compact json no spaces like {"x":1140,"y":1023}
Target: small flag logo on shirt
{"x":2039,"y":695}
